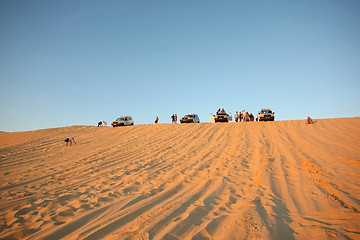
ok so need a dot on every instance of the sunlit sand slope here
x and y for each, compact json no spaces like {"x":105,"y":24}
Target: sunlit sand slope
{"x":256,"y":180}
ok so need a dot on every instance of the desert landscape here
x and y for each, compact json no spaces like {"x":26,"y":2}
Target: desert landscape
{"x":253,"y":180}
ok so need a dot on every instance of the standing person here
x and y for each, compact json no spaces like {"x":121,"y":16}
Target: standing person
{"x":243,"y":113}
{"x":100,"y":124}
{"x":157,"y":119}
{"x":175,"y":118}
{"x":236,"y":117}
{"x":104,"y":123}
{"x":251,"y":117}
{"x":69,"y":140}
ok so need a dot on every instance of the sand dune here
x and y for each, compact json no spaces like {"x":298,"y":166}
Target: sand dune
{"x":256,"y":180}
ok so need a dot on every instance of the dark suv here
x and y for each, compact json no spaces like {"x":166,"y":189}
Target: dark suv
{"x":190,"y":118}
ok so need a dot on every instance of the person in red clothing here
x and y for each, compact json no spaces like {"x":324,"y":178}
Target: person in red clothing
{"x":157,"y":119}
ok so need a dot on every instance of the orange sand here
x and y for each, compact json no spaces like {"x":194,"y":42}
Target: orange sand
{"x":256,"y":180}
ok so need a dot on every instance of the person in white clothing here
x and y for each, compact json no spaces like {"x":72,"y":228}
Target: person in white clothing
{"x":243,"y":113}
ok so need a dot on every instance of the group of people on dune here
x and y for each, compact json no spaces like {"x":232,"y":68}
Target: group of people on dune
{"x":244,"y":116}
{"x":174,"y":118}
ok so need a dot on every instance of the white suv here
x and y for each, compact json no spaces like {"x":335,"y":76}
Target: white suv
{"x":266,"y":115}
{"x":123,"y":121}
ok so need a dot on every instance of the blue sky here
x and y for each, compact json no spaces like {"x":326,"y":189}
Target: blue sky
{"x":68,"y":63}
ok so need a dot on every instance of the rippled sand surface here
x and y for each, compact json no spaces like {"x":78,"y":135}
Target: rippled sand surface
{"x":255,"y":180}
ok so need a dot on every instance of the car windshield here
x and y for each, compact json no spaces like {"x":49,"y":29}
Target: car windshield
{"x":267,"y":111}
{"x":189,"y":116}
{"x":122,"y":119}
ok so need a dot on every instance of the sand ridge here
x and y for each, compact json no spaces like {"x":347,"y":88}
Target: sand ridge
{"x":255,"y":180}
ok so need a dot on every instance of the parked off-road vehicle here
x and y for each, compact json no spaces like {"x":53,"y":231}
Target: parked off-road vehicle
{"x":266,"y":115}
{"x":123,"y":121}
{"x":222,"y":116}
{"x":190,"y":118}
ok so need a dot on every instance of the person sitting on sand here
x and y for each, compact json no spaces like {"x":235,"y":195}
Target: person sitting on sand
{"x":69,"y":140}
{"x":100,"y":124}
{"x":309,"y":120}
